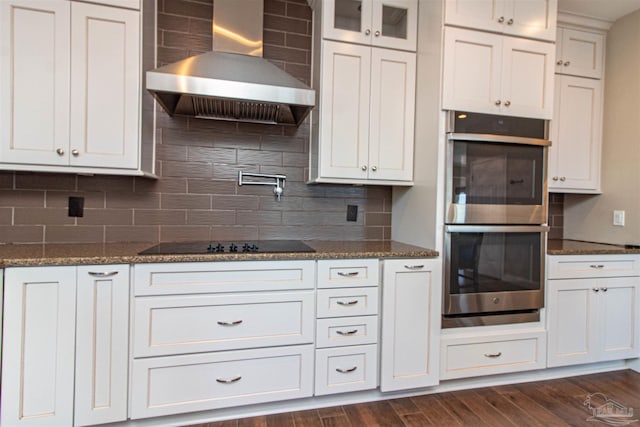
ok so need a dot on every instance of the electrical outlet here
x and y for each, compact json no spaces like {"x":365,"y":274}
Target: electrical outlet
{"x":352,"y":213}
{"x":76,"y":206}
{"x":618,"y":218}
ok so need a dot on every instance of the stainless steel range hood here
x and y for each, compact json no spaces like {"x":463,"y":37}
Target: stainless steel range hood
{"x":233,"y":82}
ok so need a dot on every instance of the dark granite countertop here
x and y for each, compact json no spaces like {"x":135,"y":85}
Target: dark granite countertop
{"x":127,"y":253}
{"x":578,"y":247}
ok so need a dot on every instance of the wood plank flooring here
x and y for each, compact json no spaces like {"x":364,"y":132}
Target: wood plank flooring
{"x":542,"y":403}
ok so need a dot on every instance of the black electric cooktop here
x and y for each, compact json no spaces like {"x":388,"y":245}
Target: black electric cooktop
{"x":208,"y":247}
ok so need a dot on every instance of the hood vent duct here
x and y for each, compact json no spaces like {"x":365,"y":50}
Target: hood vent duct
{"x":236,"y":84}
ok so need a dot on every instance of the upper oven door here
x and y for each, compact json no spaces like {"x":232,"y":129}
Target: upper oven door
{"x":495,"y":179}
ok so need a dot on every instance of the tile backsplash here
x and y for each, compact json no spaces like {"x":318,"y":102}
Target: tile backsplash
{"x":196,"y":195}
{"x":556,"y":215}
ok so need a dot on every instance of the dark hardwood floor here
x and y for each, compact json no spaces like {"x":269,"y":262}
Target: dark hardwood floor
{"x":542,"y":403}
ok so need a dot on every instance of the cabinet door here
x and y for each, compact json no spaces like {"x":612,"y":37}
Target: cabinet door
{"x":34,"y":81}
{"x":618,"y":318}
{"x":344,"y":116}
{"x":580,"y":53}
{"x":393,"y":84}
{"x":471,"y":74}
{"x":576,"y":136}
{"x":532,"y":18}
{"x":104,"y":96}
{"x":347,"y":20}
{"x":395,"y":24}
{"x":478,"y":14}
{"x":102,"y":342}
{"x":527,"y":78}
{"x":410,"y":323}
{"x":38,"y":347}
{"x":572,"y":321}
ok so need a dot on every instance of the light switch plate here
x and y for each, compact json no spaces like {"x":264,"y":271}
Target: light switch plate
{"x":618,"y":218}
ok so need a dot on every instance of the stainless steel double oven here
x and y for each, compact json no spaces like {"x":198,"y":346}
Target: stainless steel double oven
{"x":496,"y":216}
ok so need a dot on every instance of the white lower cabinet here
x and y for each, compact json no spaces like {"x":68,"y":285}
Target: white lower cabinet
{"x":195,"y":382}
{"x":221,"y":334}
{"x":65,"y":322}
{"x":347,"y":325}
{"x":411,"y":298}
{"x":593,"y":319}
{"x":469,"y":354}
{"x":342,"y":369}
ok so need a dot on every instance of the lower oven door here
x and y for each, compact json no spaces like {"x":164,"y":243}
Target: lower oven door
{"x":493,"y":271}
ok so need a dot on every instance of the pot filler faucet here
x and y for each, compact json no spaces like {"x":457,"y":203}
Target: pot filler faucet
{"x":278,"y":183}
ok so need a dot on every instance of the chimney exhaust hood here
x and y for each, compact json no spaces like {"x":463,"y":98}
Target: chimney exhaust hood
{"x":233,"y":82}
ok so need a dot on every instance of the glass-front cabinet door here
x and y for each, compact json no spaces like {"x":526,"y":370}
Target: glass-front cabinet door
{"x":385,"y":23}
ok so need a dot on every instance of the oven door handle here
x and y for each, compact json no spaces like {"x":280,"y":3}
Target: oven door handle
{"x":481,"y":137}
{"x":496,"y":228}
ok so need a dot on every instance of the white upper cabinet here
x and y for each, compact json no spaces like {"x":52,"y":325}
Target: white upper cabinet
{"x":367,"y":100}
{"x":524,"y":18}
{"x":69,"y":87}
{"x":489,"y":73}
{"x":384,"y":23}
{"x":34,"y":81}
{"x":576,"y":136}
{"x":104,"y":95}
{"x":580,"y":53}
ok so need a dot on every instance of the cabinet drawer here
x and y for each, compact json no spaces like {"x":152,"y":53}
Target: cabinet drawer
{"x":346,"y":369}
{"x":591,"y":266}
{"x":208,"y":277}
{"x":170,"y":385}
{"x":348,"y":273}
{"x":341,"y":331}
{"x":470,"y":357}
{"x":347,"y":302}
{"x":197,"y":323}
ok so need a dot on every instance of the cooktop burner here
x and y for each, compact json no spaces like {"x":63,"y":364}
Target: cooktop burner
{"x":258,"y":246}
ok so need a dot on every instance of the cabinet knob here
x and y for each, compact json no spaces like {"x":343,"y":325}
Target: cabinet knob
{"x":559,"y":62}
{"x":567,"y":63}
{"x":374,"y":168}
{"x":507,"y":103}
{"x":364,"y":167}
{"x":604,"y":289}
{"x":60,"y":152}
{"x":498,"y":102}
{"x":367,"y":32}
{"x":510,"y":21}
{"x":75,"y":153}
{"x":563,"y":178}
{"x":595,"y":290}
{"x":377,"y":34}
{"x":501,"y":20}
{"x":555,"y":178}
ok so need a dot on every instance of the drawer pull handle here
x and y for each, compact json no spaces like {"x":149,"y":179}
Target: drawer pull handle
{"x":597,"y":266}
{"x":352,"y":302}
{"x":493,"y":355}
{"x":102,"y":273}
{"x":233,"y":323}
{"x":351,"y":332}
{"x":346,"y":371}
{"x":349,"y":274}
{"x":230,"y":380}
{"x":414,"y":267}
